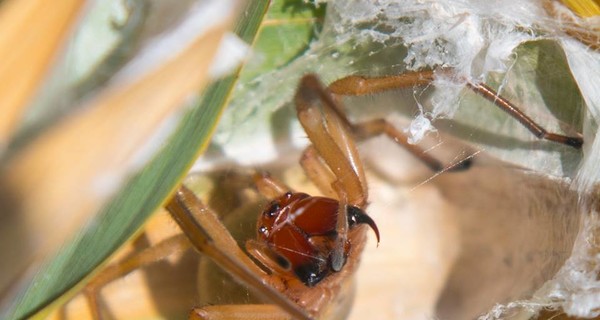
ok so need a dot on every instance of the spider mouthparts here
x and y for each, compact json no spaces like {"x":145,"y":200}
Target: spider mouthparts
{"x":357,"y":216}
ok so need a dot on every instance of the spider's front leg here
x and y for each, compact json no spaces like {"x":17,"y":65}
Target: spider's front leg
{"x":332,"y":139}
{"x":333,"y":143}
{"x":210,"y":237}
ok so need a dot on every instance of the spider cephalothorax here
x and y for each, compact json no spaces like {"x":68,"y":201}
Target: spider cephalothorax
{"x":301,"y":230}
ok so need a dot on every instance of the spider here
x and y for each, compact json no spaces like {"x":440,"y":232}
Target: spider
{"x":307,"y":248}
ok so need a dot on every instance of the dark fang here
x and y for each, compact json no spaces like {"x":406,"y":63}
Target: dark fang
{"x":357,"y":216}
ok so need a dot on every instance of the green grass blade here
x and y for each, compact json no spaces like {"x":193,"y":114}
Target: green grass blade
{"x":122,"y":216}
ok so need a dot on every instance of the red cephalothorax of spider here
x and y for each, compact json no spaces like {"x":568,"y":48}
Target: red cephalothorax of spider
{"x":301,"y":230}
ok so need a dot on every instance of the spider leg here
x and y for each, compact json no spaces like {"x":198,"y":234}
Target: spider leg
{"x":537,"y":130}
{"x":338,"y":258}
{"x":135,"y":261}
{"x":238,"y":312}
{"x":365,"y":130}
{"x":204,"y":231}
{"x":210,"y":237}
{"x":358,"y":85}
{"x":332,"y":139}
{"x":268,"y":186}
{"x":318,"y":172}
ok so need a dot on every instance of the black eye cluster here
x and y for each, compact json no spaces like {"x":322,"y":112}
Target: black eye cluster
{"x":270,"y":213}
{"x":273,"y":209}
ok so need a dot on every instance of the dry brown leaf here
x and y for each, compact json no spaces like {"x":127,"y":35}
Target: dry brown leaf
{"x":56,"y":183}
{"x":32,"y":31}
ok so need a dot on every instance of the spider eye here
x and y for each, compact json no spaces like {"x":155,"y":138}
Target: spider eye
{"x":263,"y":230}
{"x":272,"y":210}
{"x":282,"y":262}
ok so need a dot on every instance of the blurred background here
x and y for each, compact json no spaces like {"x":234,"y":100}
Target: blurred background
{"x":107,"y":106}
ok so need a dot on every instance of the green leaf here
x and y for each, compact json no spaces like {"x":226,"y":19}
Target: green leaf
{"x":286,"y":36}
{"x":122,"y":216}
{"x":288,"y":29}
